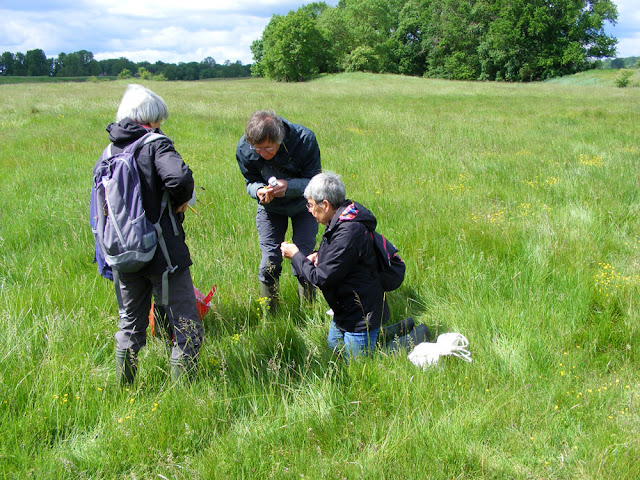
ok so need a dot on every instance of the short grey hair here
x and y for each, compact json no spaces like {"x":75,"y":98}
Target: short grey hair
{"x":264,"y":125}
{"x":142,"y":106}
{"x":326,"y":186}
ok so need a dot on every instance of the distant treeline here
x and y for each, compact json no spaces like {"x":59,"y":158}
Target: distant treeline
{"x":82,"y":63}
{"x":512,"y":40}
{"x":618,"y":63}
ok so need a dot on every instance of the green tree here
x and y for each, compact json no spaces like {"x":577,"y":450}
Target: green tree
{"x":411,"y":49}
{"x":257,"y":49}
{"x":58,"y":64}
{"x":124,"y":74}
{"x":623,"y":78}
{"x":361,"y":59}
{"x":452,"y":31}
{"x":77,"y":64}
{"x":293,"y":48}
{"x":115,"y":65}
{"x":370,"y":24}
{"x":144,"y":74}
{"x":188,"y":71}
{"x":170,"y":71}
{"x":208,"y":69}
{"x":19,"y":65}
{"x":537,"y":39}
{"x":6,"y":63}
{"x":37,"y":63}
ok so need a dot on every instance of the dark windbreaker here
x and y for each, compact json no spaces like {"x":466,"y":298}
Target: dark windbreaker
{"x":160,"y":168}
{"x":347,"y":270}
{"x":297,"y":161}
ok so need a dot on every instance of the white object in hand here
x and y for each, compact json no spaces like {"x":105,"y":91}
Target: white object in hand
{"x":273,"y":182}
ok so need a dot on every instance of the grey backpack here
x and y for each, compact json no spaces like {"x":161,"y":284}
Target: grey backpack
{"x":124,"y":237}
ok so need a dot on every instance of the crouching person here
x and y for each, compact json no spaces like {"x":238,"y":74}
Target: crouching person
{"x":161,"y":169}
{"x":345,"y":267}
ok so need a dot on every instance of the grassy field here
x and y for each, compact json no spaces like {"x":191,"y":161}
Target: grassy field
{"x":592,"y":78}
{"x":25,"y":80}
{"x":515,"y":207}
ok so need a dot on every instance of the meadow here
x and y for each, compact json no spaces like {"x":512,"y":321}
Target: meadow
{"x":514,"y":206}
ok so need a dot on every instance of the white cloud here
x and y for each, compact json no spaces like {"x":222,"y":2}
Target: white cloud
{"x":182,"y":43}
{"x":187,"y":30}
{"x":173,"y":9}
{"x":164,"y":30}
{"x":629,"y":46}
{"x":627,"y":29}
{"x":183,"y":37}
{"x":22,"y":33}
{"x":183,"y":31}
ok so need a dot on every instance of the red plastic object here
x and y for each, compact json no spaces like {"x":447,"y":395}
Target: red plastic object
{"x":203,"y":303}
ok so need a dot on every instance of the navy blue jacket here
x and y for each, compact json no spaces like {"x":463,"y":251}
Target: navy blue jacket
{"x":297,"y":161}
{"x":347,"y":271}
{"x":160,"y":167}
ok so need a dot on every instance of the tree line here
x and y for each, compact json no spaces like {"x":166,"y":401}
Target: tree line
{"x":618,"y":63}
{"x":510,"y":40}
{"x":82,"y":63}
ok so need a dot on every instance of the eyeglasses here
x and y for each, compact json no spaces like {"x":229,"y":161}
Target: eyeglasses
{"x":264,"y":149}
{"x":311,"y":206}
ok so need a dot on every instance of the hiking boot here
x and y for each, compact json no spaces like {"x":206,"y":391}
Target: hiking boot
{"x":306,"y":293}
{"x":270,"y":292}
{"x":182,"y":368}
{"x":400,"y":329}
{"x":416,"y":336}
{"x":126,"y":366}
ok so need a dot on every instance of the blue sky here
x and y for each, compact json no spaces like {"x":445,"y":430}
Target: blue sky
{"x":627,"y":30}
{"x":179,"y":31}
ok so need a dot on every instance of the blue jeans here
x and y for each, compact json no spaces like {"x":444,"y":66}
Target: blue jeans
{"x":352,"y":344}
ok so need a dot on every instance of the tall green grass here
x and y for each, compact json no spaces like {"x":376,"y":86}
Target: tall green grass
{"x":515,"y":207}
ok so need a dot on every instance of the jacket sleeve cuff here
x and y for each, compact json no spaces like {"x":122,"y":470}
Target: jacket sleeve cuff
{"x":252,"y":189}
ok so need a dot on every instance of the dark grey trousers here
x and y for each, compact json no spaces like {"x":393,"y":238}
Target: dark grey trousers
{"x":272,"y":228}
{"x":181,"y":313}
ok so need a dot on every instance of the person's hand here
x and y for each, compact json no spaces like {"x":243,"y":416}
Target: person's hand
{"x":288,"y":249}
{"x":313,"y":258}
{"x":280,"y":189}
{"x":265,"y":194}
{"x":182,"y":208}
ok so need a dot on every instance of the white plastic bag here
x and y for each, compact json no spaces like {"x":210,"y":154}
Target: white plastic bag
{"x":427,"y":353}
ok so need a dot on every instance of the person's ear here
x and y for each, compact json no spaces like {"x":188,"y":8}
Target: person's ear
{"x":325,"y":204}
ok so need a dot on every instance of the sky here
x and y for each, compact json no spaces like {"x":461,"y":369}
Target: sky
{"x":180,"y":31}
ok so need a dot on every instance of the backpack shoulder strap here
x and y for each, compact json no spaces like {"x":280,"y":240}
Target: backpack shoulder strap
{"x":153,"y":136}
{"x":135,"y":145}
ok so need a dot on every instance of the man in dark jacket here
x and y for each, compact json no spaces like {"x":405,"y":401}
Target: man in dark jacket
{"x":344,"y":267}
{"x":288,"y":155}
{"x":161,"y":168}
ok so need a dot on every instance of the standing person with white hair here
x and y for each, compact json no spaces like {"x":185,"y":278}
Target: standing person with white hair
{"x":345,"y":267}
{"x":161,"y":169}
{"x":277,"y":159}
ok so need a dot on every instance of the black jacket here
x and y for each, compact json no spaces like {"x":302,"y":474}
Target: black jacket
{"x":347,"y":270}
{"x":297,"y":161}
{"x":160,"y":167}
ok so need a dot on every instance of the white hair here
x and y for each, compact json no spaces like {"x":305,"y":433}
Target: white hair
{"x":326,"y":186}
{"x":142,"y":106}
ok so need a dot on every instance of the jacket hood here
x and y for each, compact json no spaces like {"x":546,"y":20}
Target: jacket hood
{"x":351,"y":211}
{"x":125,"y":132}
